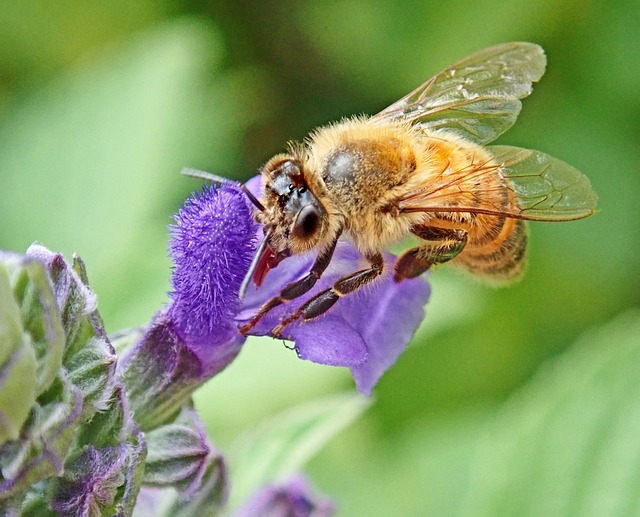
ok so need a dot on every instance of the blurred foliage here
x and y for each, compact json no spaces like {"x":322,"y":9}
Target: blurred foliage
{"x":101,"y":104}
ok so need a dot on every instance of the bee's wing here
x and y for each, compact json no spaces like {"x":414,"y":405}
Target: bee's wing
{"x":479,"y":97}
{"x":544,"y":189}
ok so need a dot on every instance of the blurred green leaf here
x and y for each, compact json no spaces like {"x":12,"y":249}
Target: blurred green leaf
{"x":281,"y":446}
{"x":38,"y":38}
{"x":568,"y":443}
{"x":98,"y":153}
{"x":565,"y":444}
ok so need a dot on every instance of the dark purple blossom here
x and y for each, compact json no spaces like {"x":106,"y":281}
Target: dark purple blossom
{"x":292,"y":499}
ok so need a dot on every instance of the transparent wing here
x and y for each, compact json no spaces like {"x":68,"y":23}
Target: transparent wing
{"x":479,"y":97}
{"x":546,"y":188}
{"x":542,"y":188}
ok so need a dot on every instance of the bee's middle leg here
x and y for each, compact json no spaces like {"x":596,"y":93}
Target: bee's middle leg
{"x":442,"y":244}
{"x":323,"y":301}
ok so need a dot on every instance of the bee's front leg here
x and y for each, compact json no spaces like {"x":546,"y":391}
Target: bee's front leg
{"x":323,"y":301}
{"x":294,"y":289}
{"x":442,"y":244}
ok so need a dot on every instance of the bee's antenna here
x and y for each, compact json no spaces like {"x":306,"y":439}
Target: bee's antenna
{"x":252,"y":268}
{"x":203,"y":175}
{"x":218,"y":180}
{"x":253,"y":199}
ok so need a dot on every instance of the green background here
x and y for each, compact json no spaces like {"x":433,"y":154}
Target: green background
{"x":493,"y":409}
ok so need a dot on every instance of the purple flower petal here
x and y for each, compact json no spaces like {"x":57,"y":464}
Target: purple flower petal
{"x":388,"y":327}
{"x":331,"y":341}
{"x":365,"y":331}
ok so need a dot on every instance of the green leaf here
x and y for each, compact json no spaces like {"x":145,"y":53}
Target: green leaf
{"x":568,"y":444}
{"x":45,"y":440}
{"x":281,"y":446}
{"x":17,"y":365}
{"x":40,"y":317}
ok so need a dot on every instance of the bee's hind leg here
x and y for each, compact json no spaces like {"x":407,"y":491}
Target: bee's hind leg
{"x":442,"y":244}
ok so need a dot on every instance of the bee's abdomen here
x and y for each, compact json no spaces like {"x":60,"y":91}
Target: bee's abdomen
{"x":496,"y":248}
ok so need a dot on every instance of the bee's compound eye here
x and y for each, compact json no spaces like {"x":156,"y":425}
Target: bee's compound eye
{"x":307,"y":222}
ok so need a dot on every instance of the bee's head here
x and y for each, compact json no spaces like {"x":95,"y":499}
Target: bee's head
{"x":293,"y":217}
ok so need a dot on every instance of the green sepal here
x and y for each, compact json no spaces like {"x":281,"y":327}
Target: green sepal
{"x":181,"y":456}
{"x":89,"y":358}
{"x":36,"y":503}
{"x":80,"y":317}
{"x":109,"y":426}
{"x":92,"y":369}
{"x":210,"y":499}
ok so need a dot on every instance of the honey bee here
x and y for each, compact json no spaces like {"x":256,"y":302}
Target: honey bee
{"x":420,"y":167}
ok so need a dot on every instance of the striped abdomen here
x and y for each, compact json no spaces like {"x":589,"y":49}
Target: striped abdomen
{"x":496,"y":248}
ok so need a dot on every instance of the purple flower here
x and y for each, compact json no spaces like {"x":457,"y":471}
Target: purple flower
{"x":292,"y":499}
{"x":196,"y":336}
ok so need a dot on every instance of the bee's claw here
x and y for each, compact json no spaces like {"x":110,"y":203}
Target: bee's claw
{"x":277,"y":331}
